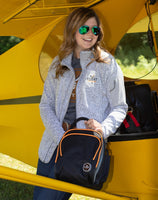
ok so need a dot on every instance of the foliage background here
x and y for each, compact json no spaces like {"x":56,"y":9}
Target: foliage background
{"x":136,"y":56}
{"x":7,"y":42}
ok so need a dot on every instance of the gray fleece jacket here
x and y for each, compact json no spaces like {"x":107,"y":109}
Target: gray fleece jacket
{"x":100,"y":95}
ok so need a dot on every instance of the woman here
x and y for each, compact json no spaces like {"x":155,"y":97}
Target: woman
{"x":83,"y":81}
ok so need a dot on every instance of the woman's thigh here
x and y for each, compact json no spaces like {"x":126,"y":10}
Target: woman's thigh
{"x":47,"y":170}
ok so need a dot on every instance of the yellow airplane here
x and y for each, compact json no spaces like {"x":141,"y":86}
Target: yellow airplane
{"x":134,"y":165}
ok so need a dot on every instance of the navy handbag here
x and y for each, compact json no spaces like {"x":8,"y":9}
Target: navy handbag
{"x":82,"y":158}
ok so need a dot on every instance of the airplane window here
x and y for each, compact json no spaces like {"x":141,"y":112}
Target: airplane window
{"x":135,"y":56}
{"x":50,"y":49}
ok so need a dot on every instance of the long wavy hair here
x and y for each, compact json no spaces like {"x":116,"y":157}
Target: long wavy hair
{"x":75,"y":20}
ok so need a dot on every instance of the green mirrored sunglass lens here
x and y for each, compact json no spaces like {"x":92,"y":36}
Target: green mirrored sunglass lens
{"x":96,"y":30}
{"x":83,"y":29}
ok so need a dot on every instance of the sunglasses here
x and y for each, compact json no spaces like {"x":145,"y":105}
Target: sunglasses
{"x":84,"y":29}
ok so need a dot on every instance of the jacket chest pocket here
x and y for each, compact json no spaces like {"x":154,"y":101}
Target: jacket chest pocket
{"x":91,"y":80}
{"x":92,"y":83}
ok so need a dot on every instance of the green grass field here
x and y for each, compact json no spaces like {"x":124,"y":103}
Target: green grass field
{"x":10,"y":190}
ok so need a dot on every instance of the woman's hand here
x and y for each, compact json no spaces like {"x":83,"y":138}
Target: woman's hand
{"x":94,"y":125}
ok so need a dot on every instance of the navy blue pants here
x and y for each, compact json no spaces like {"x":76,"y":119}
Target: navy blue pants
{"x":47,"y":170}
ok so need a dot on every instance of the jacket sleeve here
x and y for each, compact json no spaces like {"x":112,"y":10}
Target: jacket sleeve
{"x":115,"y":91}
{"x":47,"y":109}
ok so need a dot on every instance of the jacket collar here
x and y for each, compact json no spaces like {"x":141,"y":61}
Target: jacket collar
{"x":85,"y":59}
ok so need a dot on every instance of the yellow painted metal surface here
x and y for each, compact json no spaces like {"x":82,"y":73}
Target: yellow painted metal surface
{"x":140,"y":22}
{"x":55,"y":184}
{"x":20,"y":124}
{"x":24,"y":18}
{"x":134,"y":168}
{"x":133,"y":173}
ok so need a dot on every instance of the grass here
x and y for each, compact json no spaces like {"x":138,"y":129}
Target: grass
{"x":10,"y":190}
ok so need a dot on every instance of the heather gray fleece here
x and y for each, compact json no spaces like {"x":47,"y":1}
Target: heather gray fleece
{"x":100,"y":95}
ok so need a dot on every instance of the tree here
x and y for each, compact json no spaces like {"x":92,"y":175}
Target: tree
{"x":132,"y":46}
{"x":7,"y":42}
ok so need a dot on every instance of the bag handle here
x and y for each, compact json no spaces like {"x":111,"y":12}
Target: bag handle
{"x":77,"y":120}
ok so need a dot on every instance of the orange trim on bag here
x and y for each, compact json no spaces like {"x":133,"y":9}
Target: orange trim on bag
{"x":98,"y":151}
{"x":82,"y":135}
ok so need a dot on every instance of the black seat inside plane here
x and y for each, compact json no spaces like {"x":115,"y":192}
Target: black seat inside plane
{"x":142,"y":113}
{"x":141,"y":121}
